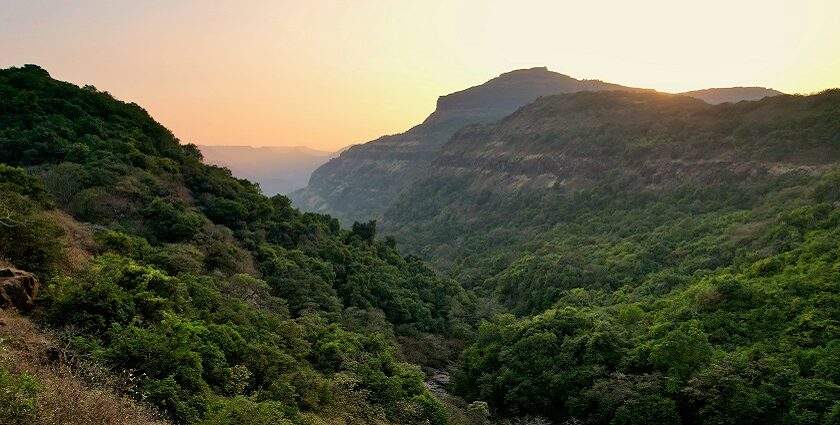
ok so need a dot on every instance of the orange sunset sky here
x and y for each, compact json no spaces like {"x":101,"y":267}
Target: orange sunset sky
{"x":327,"y":74}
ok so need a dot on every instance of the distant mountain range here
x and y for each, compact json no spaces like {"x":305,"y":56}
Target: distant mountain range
{"x":360,"y":183}
{"x":732,"y":94}
{"x":280,"y":169}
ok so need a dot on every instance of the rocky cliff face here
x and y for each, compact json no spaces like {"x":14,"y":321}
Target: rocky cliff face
{"x":655,"y":138}
{"x":643,"y":142}
{"x":360,"y":183}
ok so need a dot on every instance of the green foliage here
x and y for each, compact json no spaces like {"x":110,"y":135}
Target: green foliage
{"x":682,"y":350}
{"x":170,"y":223}
{"x":364,"y":231}
{"x":433,"y":409}
{"x":745,"y":338}
{"x":240,"y":410}
{"x":27,"y":237}
{"x":229,"y":307}
{"x":18,"y":398}
{"x":17,"y":180}
{"x":226,"y":211}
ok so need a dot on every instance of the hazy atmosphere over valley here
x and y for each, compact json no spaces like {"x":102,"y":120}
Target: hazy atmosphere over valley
{"x":432,"y":213}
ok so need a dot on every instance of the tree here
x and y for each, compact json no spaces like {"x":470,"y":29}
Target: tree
{"x":365,"y":231}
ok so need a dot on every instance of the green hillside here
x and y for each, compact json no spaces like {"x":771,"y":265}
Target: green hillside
{"x":664,"y":260}
{"x":359,"y":184}
{"x":600,"y":258}
{"x":220,"y":304}
{"x":578,"y":165}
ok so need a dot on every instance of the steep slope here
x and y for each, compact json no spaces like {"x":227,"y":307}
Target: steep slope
{"x":35,"y":391}
{"x":666,"y":261}
{"x":360,"y":183}
{"x":732,"y":94}
{"x":277,"y":169}
{"x":220,"y":304}
{"x":505,"y":182}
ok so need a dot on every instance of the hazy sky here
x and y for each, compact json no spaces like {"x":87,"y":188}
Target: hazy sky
{"x":331,"y":73}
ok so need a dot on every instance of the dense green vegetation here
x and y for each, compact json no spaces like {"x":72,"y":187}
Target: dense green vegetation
{"x":709,"y":295}
{"x":222,"y":303}
{"x":662,"y":313}
{"x":17,"y":397}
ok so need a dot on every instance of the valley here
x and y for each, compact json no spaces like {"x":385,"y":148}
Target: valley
{"x":541,"y":250}
{"x":277,"y":170}
{"x":419,"y":212}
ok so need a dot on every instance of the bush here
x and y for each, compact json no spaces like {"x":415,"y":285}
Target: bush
{"x":227,"y":212}
{"x":241,"y":410}
{"x":18,"y":398}
{"x":171,"y":223}
{"x":27,"y":238}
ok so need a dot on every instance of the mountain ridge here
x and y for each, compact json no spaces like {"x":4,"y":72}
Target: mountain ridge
{"x":732,"y":94}
{"x":573,"y":141}
{"x":655,"y":252}
{"x":277,"y":169}
{"x":360,"y":183}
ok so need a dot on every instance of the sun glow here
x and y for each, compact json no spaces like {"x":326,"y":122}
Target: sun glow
{"x":335,"y":73}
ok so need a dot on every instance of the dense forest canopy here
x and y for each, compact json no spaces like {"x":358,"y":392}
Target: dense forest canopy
{"x":613,"y":258}
{"x":227,"y":303}
{"x":663,"y":260}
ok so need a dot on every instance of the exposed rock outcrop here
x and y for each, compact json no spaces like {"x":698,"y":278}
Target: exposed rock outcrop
{"x":359,"y":184}
{"x":642,"y":142}
{"x":18,"y":289}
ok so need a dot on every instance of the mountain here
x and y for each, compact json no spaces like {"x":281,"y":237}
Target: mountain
{"x":277,"y":169}
{"x":661,"y":260}
{"x":732,"y":94}
{"x":566,"y":143}
{"x":627,"y":257}
{"x":362,"y":181}
{"x":171,"y":282}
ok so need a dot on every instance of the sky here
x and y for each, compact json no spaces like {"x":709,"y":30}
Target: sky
{"x":329,"y":73}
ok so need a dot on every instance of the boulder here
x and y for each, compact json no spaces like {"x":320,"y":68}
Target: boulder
{"x":18,"y":289}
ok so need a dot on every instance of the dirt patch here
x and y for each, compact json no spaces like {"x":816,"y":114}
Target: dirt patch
{"x":79,"y":245}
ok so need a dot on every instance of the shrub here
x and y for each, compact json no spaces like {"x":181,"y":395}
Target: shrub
{"x":18,"y":398}
{"x":171,"y":223}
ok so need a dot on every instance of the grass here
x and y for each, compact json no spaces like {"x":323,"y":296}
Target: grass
{"x":71,"y":390}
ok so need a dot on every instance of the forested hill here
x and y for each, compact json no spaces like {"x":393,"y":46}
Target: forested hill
{"x":496,"y":184}
{"x":640,"y":258}
{"x":359,"y":184}
{"x":224,"y":306}
{"x":664,"y":260}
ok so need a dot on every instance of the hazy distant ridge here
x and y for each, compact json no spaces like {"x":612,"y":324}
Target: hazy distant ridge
{"x":278,"y":169}
{"x":732,"y":94}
